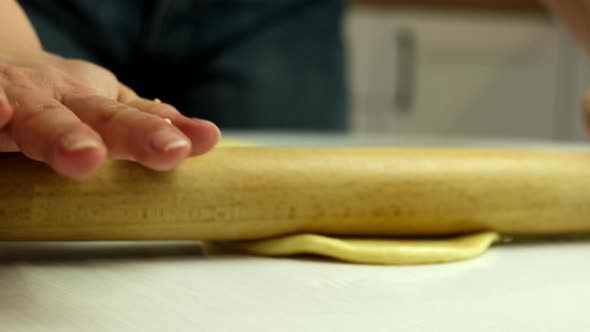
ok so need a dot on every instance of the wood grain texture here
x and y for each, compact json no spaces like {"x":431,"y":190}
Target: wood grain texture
{"x":251,"y":193}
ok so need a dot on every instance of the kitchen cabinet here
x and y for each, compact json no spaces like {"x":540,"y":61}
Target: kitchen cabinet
{"x":454,"y":72}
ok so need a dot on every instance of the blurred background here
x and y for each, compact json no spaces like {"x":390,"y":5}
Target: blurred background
{"x":478,"y":68}
{"x":475,"y":68}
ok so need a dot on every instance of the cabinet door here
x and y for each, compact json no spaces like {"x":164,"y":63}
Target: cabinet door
{"x":453,"y":73}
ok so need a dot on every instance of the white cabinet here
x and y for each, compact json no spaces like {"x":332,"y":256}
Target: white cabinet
{"x":453,"y":72}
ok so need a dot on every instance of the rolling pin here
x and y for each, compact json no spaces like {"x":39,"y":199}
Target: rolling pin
{"x":258,"y":192}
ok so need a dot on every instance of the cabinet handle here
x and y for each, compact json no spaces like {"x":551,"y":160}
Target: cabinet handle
{"x":405,"y":73}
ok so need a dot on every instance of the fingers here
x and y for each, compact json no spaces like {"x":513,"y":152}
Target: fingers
{"x":5,"y":109}
{"x":203,"y":134}
{"x":74,"y":136}
{"x":45,"y":130}
{"x":130,"y":133}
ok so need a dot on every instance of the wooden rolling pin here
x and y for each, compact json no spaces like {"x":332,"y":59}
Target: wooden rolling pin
{"x":258,"y":192}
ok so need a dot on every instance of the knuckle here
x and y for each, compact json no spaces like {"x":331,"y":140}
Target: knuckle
{"x":112,"y":113}
{"x":50,"y":105}
{"x":93,"y":70}
{"x":16,"y":75}
{"x":38,"y":112}
{"x":51,"y":72}
{"x":76,"y":88}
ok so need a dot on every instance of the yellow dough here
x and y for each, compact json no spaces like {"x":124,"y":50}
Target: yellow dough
{"x":375,"y":251}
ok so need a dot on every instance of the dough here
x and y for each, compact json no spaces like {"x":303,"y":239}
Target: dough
{"x":374,"y":251}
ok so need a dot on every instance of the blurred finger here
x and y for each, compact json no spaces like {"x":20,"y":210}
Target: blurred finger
{"x":203,"y":134}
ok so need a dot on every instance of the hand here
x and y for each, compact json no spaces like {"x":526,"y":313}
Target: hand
{"x":73,"y":115}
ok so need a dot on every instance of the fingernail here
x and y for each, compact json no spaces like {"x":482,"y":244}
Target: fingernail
{"x":216,"y":128}
{"x":78,"y":142}
{"x":167,"y":140}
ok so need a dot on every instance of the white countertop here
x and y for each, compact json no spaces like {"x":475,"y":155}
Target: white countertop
{"x":174,"y":286}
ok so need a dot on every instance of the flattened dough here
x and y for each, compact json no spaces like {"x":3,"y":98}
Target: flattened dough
{"x":374,"y":251}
